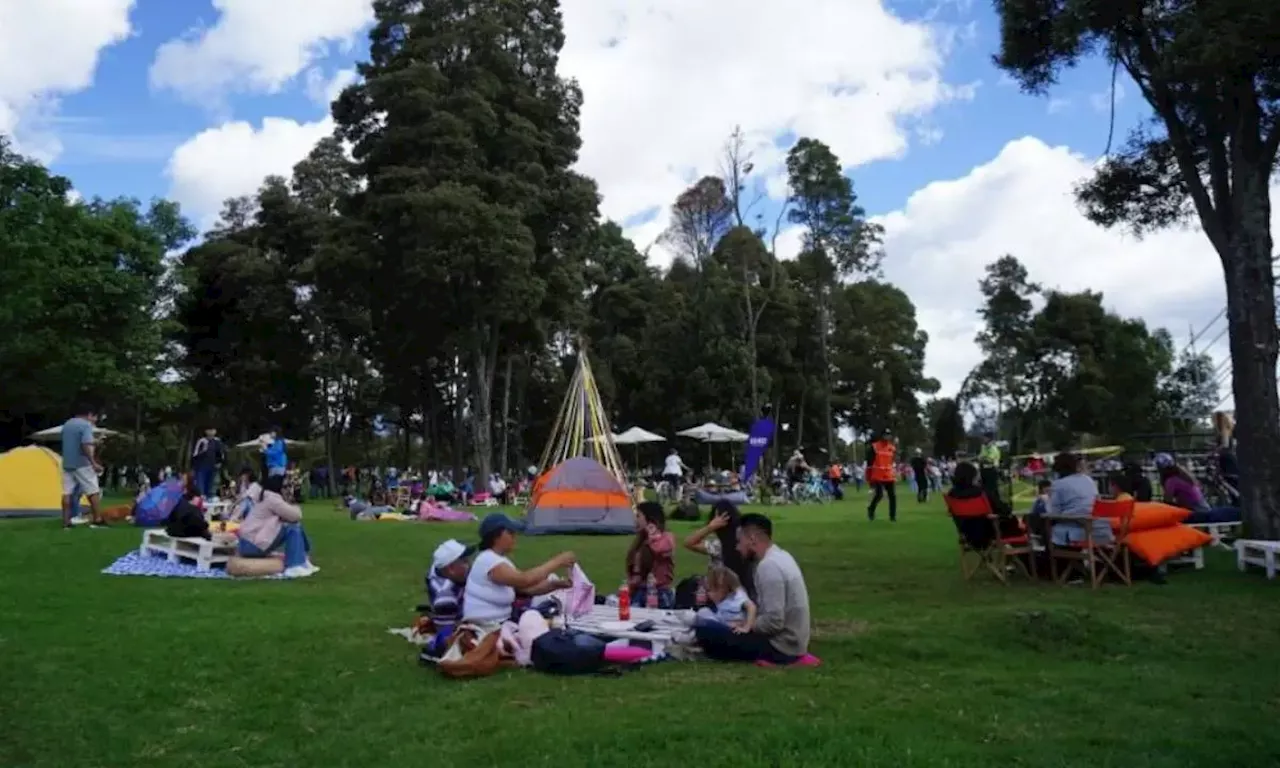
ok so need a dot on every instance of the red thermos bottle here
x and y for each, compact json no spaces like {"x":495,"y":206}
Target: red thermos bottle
{"x":624,"y":603}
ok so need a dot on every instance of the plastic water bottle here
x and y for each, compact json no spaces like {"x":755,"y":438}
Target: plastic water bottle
{"x":651,"y":593}
{"x":624,"y":603}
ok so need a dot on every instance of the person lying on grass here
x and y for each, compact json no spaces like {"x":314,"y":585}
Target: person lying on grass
{"x":494,"y":581}
{"x":782,"y":626}
{"x":274,"y":524}
{"x":652,"y":553}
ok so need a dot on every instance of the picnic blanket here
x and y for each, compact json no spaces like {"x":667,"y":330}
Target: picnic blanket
{"x":443,"y":513}
{"x":137,"y":564}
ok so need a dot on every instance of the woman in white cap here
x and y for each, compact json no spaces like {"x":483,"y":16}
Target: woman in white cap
{"x":494,"y":581}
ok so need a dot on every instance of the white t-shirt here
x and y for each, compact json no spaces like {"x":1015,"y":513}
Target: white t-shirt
{"x":483,"y":599}
{"x":673,"y":466}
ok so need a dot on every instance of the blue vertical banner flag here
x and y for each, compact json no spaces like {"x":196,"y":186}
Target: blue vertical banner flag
{"x":757,"y":443}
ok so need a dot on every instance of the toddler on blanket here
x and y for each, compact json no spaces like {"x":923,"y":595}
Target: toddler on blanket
{"x":730,"y":601}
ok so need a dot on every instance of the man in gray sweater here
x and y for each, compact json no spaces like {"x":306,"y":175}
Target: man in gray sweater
{"x":781,"y":631}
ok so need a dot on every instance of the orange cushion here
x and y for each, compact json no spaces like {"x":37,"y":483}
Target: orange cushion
{"x":1155,"y":546}
{"x":1152,"y":515}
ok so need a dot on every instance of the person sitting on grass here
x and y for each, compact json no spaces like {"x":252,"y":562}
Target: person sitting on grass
{"x":652,"y":553}
{"x":730,"y":604}
{"x":1182,"y":490}
{"x":445,"y":581}
{"x":274,"y":524}
{"x":493,"y":582}
{"x":782,"y":627}
{"x":718,"y":540}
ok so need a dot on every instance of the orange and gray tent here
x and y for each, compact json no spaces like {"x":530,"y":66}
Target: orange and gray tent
{"x":579,"y":496}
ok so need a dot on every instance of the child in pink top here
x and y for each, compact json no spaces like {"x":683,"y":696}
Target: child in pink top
{"x":652,"y":553}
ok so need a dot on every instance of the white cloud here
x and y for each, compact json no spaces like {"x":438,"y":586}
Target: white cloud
{"x":233,"y":159}
{"x":1101,"y":101}
{"x":49,"y":48}
{"x":665,"y":81}
{"x":1057,"y":106}
{"x":1021,"y":203}
{"x":256,"y":46}
{"x":324,"y":91}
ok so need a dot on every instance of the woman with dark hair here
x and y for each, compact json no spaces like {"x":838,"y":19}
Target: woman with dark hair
{"x":274,"y":524}
{"x":722,"y":547}
{"x":652,"y":553}
{"x":1182,"y":490}
{"x":966,"y":483}
{"x":494,"y":581}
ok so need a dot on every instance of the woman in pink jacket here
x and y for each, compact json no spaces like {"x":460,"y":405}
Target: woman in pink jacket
{"x":274,"y":523}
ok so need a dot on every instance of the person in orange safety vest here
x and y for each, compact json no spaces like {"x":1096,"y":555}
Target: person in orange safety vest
{"x":882,"y":473}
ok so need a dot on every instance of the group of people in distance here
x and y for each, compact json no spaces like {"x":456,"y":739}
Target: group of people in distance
{"x":756,"y":605}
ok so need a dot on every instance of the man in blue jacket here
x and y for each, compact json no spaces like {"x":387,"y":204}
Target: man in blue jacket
{"x":273,"y":451}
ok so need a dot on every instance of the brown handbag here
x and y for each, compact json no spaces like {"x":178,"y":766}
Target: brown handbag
{"x":468,"y":657}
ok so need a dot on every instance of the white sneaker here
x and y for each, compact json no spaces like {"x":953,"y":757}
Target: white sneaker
{"x":313,"y":567}
{"x":687,"y":618}
{"x":684,"y":637}
{"x":297,"y":572}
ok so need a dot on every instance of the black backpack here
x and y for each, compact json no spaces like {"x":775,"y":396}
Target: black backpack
{"x":565,"y":652}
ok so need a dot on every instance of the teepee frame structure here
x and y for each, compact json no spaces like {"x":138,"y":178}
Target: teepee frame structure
{"x":582,"y":426}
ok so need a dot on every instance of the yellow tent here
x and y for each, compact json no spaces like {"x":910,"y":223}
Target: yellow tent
{"x":30,"y":482}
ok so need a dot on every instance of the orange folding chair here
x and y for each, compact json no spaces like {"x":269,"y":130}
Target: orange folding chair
{"x":981,"y":545}
{"x":1091,"y":558}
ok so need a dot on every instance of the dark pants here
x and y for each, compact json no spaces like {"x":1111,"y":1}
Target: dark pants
{"x":922,"y":490}
{"x":204,"y":481}
{"x":720,"y":642}
{"x":883,"y":489}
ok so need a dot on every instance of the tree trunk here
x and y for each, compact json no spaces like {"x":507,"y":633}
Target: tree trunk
{"x":1255,"y":341}
{"x":460,"y":380}
{"x":503,"y":454}
{"x":484,"y":361}
{"x":804,"y":397}
{"x":826,"y":377}
{"x":328,"y":435}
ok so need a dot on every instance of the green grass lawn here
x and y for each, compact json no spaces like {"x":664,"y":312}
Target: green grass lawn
{"x":920,"y":667}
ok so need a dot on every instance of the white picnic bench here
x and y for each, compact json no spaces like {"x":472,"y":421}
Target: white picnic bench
{"x":1220,"y":532}
{"x":1259,"y":553}
{"x":205,"y":553}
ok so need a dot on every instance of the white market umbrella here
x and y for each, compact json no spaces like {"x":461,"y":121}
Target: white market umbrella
{"x":713,"y":433}
{"x":637,"y":436}
{"x":55,"y":433}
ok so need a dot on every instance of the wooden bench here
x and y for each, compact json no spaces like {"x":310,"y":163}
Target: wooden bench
{"x":205,"y":553}
{"x":1259,"y":553}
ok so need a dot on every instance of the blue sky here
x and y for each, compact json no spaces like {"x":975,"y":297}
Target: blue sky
{"x":957,"y":162}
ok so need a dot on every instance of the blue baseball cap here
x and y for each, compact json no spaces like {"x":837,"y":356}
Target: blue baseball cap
{"x":496,"y":522}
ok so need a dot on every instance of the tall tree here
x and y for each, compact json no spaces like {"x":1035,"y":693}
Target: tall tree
{"x":702,"y":214}
{"x":1210,"y":73}
{"x":1005,"y":338}
{"x":838,"y":241}
{"x":465,"y":134}
{"x":82,"y":297}
{"x":948,"y":428}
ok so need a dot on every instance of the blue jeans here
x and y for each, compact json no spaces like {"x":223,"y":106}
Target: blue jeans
{"x":204,"y":481}
{"x":292,"y":538}
{"x":721,"y":643}
{"x":666,"y":597}
{"x":1215,"y":515}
